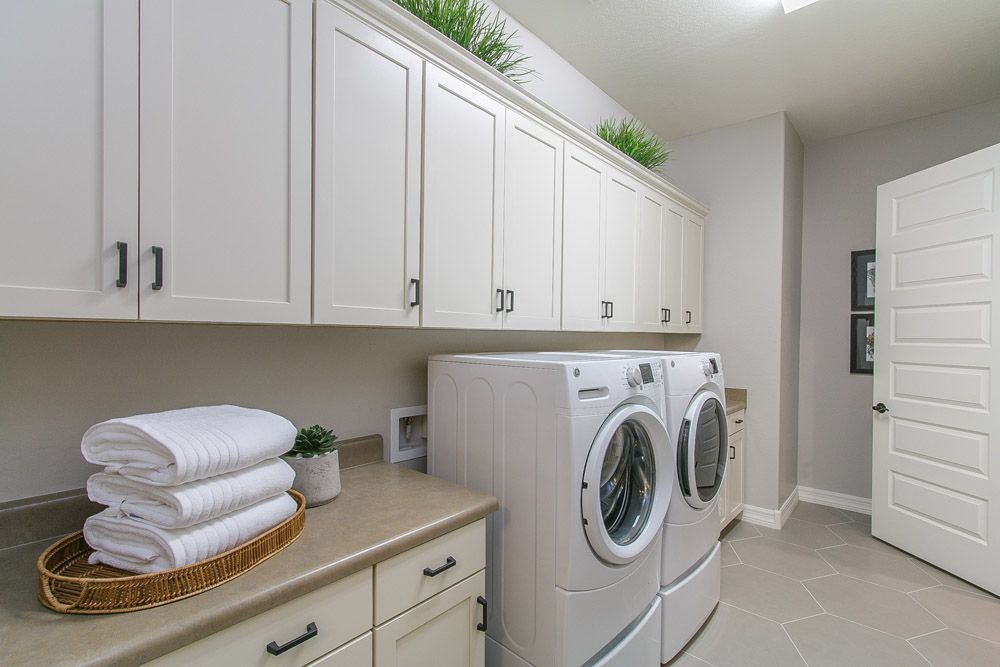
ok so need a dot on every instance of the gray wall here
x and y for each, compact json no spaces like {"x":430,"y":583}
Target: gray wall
{"x":740,"y":173}
{"x":839,"y":216}
{"x":58,"y":378}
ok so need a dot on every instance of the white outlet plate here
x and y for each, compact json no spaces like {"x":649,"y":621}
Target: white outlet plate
{"x":396,"y":450}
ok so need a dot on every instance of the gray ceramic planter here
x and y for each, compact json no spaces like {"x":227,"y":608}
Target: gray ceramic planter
{"x":316,"y":477}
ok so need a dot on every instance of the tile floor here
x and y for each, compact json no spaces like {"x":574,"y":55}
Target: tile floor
{"x":822,"y":591}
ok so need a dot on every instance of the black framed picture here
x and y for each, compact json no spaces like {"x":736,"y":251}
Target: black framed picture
{"x":863,"y":343}
{"x":863,"y":280}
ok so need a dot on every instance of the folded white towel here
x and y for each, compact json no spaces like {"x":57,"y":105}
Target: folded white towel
{"x":178,"y":446}
{"x":137,"y":546}
{"x":194,"y":502}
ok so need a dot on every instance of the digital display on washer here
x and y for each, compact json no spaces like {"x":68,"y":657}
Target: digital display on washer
{"x":647,"y":373}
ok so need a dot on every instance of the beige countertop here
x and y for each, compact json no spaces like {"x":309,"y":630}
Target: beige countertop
{"x":382,"y":511}
{"x":736,"y":400}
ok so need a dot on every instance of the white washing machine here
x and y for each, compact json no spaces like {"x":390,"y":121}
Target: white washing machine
{"x":694,"y":410}
{"x":575,"y":448}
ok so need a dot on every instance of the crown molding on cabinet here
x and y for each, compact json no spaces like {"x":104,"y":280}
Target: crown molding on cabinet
{"x":439,"y":50}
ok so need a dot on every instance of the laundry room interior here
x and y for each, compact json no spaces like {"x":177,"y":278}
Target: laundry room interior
{"x":465,"y":333}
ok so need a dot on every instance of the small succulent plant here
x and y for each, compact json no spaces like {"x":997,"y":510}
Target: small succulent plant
{"x":313,"y":441}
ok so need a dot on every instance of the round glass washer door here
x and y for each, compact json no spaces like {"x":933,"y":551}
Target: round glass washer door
{"x":627,"y":484}
{"x":702,"y":450}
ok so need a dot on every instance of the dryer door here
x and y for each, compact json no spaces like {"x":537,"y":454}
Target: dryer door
{"x":702,"y":449}
{"x":627,"y":483}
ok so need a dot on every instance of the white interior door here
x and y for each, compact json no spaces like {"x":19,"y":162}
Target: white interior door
{"x":532,"y":226}
{"x":225,"y":105}
{"x":650,"y":307}
{"x":367,"y":195}
{"x":463,"y":204}
{"x":621,"y":252}
{"x":694,"y":267}
{"x":584,"y":190}
{"x":672,"y":268}
{"x":69,"y":158}
{"x":936,"y":463}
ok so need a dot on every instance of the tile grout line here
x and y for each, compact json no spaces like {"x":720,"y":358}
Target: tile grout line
{"x":783,"y":576}
{"x":805,"y":618}
{"x":794,"y":645}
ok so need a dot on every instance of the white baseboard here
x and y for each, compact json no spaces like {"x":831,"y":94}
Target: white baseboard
{"x":833,"y":499}
{"x":772,"y":518}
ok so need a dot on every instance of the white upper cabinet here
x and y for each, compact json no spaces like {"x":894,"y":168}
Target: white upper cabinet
{"x":672,"y":268}
{"x":532,"y":227}
{"x":583,"y":240}
{"x":651,"y":305}
{"x":68,"y":162}
{"x":463,"y":204}
{"x":224,"y":188}
{"x":694,"y":249}
{"x":367,"y":185}
{"x":621,"y":252}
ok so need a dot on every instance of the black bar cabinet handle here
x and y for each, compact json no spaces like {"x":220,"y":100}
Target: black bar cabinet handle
{"x":500,"y":294}
{"x":122,"y":264}
{"x":158,"y":267}
{"x":311,"y":631}
{"x":416,"y":292}
{"x":510,"y":306}
{"x":739,"y":421}
{"x":667,"y":313}
{"x":482,"y":626}
{"x":732,"y":453}
{"x":449,"y":563}
{"x":604,"y":309}
{"x":688,"y":320}
{"x":611,"y":313}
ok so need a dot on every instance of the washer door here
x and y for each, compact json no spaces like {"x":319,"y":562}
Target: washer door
{"x":627,"y":484}
{"x":702,"y":449}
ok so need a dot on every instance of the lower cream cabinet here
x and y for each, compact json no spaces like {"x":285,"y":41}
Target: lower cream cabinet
{"x":731,"y":493}
{"x":357,"y":653}
{"x":448,"y":630}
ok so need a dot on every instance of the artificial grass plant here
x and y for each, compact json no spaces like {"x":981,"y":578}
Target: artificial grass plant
{"x":630,"y":137}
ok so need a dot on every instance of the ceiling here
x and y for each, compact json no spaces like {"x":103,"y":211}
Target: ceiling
{"x":836,"y":66}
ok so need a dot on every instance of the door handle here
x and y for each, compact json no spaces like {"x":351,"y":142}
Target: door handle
{"x":449,"y":563}
{"x":482,"y":601}
{"x":416,"y":292}
{"x":500,"y":294}
{"x":880,"y":408}
{"x":122,"y":264}
{"x":510,"y":306}
{"x":158,"y":267}
{"x":311,"y":631}
{"x":732,"y":453}
{"x":688,"y":320}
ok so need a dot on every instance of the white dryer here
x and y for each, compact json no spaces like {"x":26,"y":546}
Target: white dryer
{"x":694,"y":410}
{"x":575,"y":448}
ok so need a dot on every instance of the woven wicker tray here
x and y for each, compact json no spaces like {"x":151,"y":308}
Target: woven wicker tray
{"x":67,"y":583}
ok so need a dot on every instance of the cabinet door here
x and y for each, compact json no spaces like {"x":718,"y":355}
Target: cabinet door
{"x":225,"y":146}
{"x":584,"y":189}
{"x":532,"y":227}
{"x":650,"y":305}
{"x":672,"y":268}
{"x":463,"y":204}
{"x":694,"y":262}
{"x":367,"y":185}
{"x":358,"y":653}
{"x":441,"y":632}
{"x":621,"y":251}
{"x":69,"y":158}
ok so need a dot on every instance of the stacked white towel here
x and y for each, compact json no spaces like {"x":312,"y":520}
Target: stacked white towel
{"x":185,"y":485}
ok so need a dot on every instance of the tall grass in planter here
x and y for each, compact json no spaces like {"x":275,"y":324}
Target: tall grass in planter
{"x":471,"y":25}
{"x":631,"y":138}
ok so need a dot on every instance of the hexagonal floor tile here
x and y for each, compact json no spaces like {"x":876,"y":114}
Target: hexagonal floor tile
{"x":804,"y":534}
{"x":828,"y":641}
{"x":687,"y":660}
{"x":950,"y":580}
{"x":960,"y":610}
{"x":875,"y":606}
{"x":896,"y":573}
{"x":769,"y":595}
{"x":736,"y":638}
{"x":860,"y":535}
{"x":741,"y":530}
{"x":951,"y":648}
{"x":782,"y":558}
{"x":820,"y":514}
{"x":728,"y":555}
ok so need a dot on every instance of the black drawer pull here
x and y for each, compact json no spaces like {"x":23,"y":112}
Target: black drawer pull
{"x":688,"y":320}
{"x":666,"y":315}
{"x":310,"y":632}
{"x":416,"y":292}
{"x":604,"y":309}
{"x":449,"y":563}
{"x":122,"y":264}
{"x":611,"y":313}
{"x":739,"y":421}
{"x":510,"y":306}
{"x":500,"y":294}
{"x":482,"y":626}
{"x":732,"y":453}
{"x":158,"y":267}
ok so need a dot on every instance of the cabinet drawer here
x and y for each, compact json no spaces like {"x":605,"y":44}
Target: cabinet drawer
{"x":340,"y":611}
{"x":356,"y":654}
{"x":735,"y":421}
{"x":408,"y":579}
